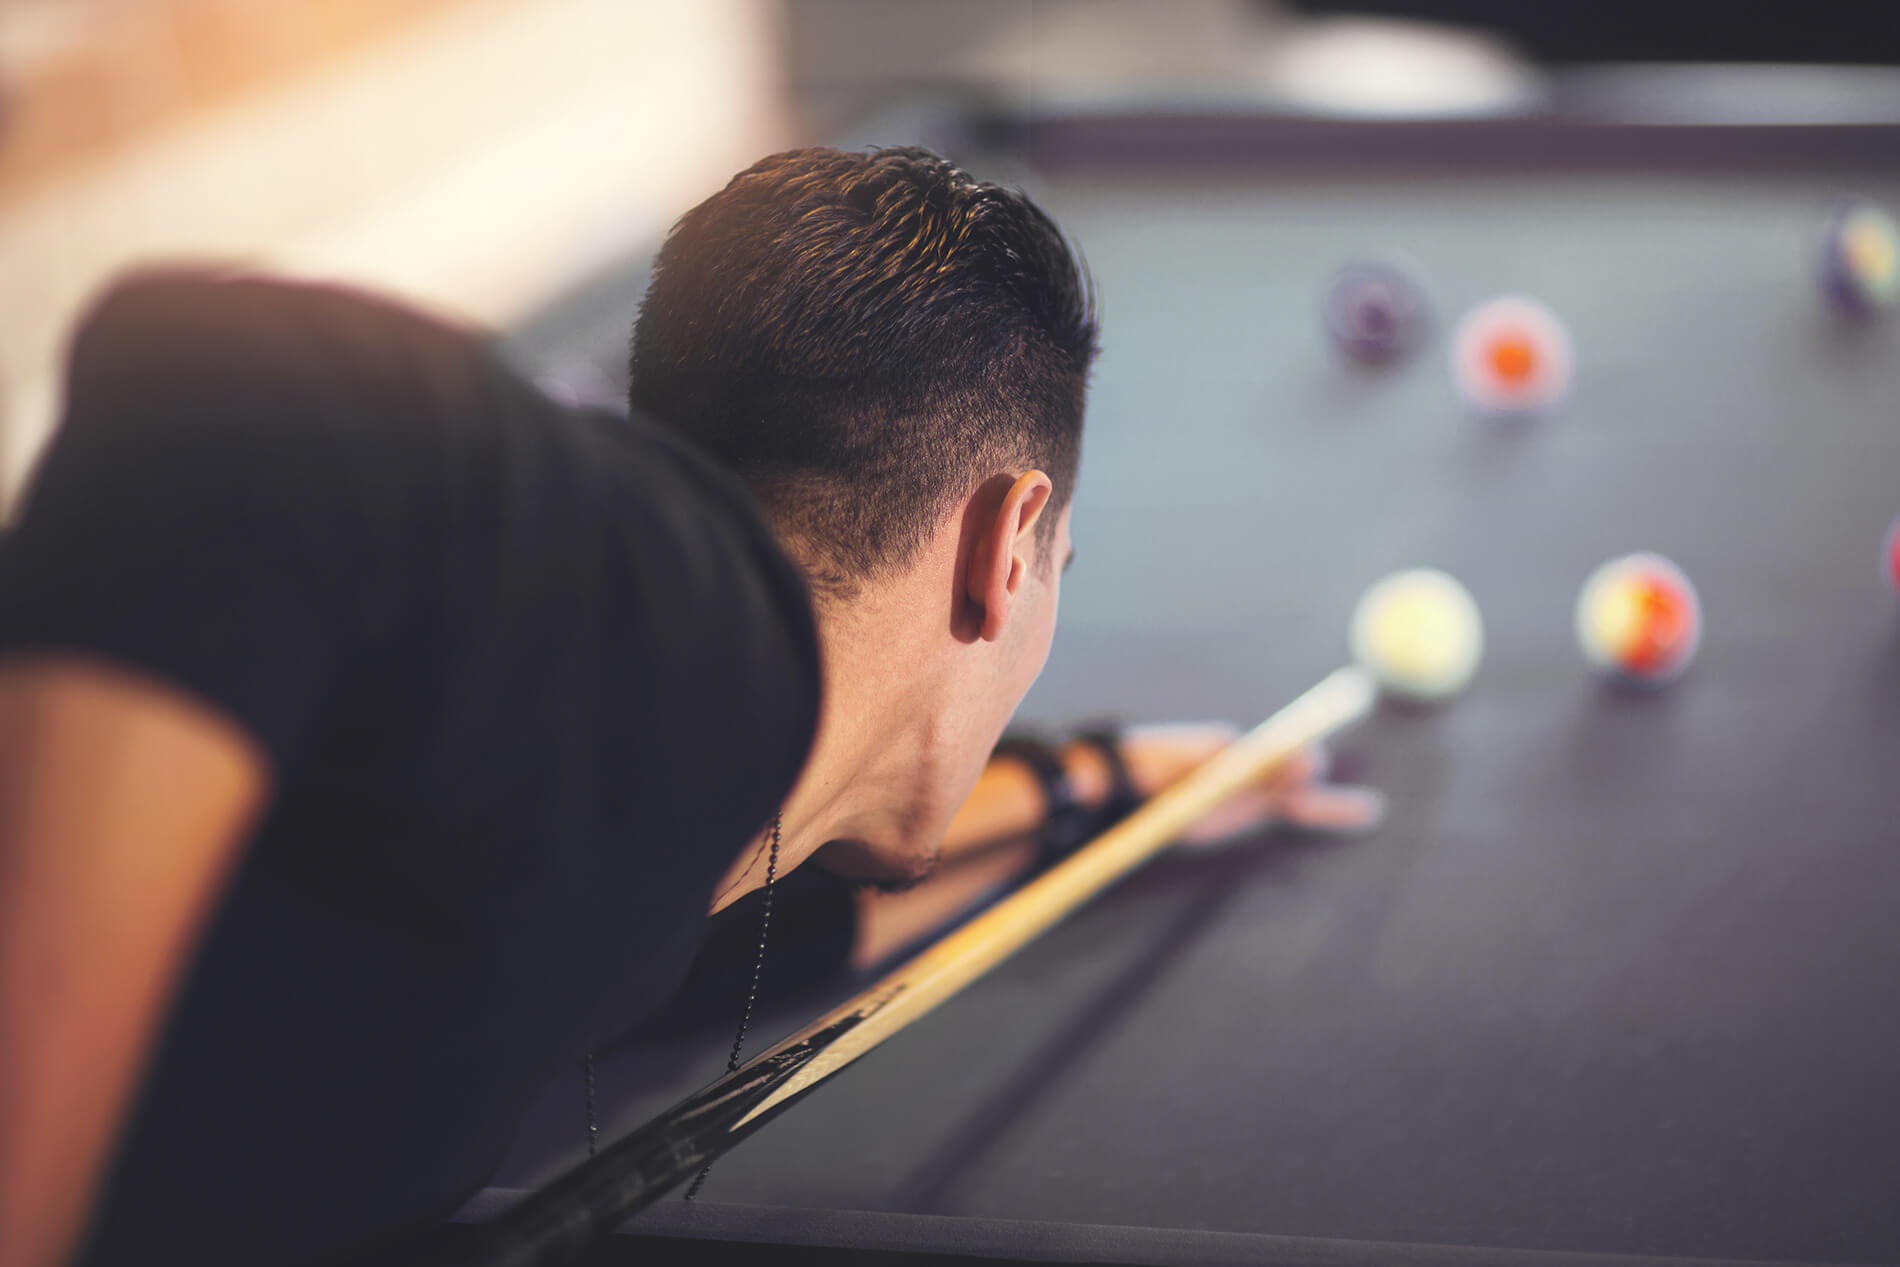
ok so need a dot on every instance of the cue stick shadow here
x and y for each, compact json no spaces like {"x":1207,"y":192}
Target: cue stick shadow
{"x":673,"y":1052}
{"x":1217,"y":881}
{"x":1402,"y":751}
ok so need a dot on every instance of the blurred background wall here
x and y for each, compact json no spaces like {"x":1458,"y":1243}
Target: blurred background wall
{"x":475,"y":155}
{"x":482,"y":155}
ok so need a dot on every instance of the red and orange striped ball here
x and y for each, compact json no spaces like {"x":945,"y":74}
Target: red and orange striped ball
{"x":1639,"y":620}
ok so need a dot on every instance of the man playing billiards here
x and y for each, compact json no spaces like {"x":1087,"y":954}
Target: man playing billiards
{"x":376,"y":736}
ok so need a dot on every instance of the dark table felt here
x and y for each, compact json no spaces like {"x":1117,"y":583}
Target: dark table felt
{"x":1620,"y":975}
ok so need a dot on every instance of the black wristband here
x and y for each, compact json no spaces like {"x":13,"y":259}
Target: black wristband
{"x":1123,"y":796}
{"x":1066,"y":824}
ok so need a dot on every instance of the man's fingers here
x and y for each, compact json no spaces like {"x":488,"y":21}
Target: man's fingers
{"x":1304,"y":798}
{"x":1333,"y":807}
{"x":1243,"y":815}
{"x":1328,"y":807}
{"x":1295,"y":794}
{"x":1306,"y":766}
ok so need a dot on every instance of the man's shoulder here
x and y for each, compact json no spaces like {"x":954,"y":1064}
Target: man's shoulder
{"x":246,"y":338}
{"x":193,"y":303}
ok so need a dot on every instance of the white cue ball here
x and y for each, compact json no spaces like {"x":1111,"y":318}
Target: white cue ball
{"x":1419,"y":633}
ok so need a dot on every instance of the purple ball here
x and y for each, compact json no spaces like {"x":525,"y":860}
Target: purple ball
{"x":1374,"y":312}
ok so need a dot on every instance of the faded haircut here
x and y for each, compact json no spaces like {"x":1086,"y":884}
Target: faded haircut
{"x":864,"y":337}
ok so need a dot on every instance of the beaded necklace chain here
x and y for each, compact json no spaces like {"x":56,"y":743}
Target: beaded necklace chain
{"x":745,"y":1017}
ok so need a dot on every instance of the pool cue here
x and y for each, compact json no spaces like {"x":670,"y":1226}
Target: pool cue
{"x":562,"y":1219}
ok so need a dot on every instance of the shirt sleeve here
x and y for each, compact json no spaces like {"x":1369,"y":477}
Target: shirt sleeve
{"x":205,"y":513}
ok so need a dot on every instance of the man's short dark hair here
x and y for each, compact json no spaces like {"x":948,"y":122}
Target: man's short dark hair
{"x":864,"y":337}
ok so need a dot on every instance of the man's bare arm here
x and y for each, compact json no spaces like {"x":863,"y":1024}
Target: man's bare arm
{"x":123,"y":805}
{"x":989,"y":842}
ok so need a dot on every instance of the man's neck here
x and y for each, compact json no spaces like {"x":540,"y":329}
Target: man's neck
{"x":881,"y":733}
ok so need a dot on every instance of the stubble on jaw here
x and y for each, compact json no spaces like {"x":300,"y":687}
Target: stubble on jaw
{"x":867,"y":871}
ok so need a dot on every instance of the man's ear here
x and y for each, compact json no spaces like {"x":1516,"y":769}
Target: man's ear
{"x":1006,"y":550}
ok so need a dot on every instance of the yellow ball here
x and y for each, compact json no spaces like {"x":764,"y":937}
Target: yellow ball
{"x":1870,"y":250}
{"x":1419,"y":633}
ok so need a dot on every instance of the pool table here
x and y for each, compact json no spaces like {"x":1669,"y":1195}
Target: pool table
{"x":1618,"y":980}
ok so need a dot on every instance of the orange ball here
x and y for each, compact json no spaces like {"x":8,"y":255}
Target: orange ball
{"x":1513,"y":357}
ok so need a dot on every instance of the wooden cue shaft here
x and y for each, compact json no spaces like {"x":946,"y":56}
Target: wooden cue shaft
{"x":591,"y":1199}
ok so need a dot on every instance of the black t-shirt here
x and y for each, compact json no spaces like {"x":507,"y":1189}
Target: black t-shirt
{"x":528,"y":679}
